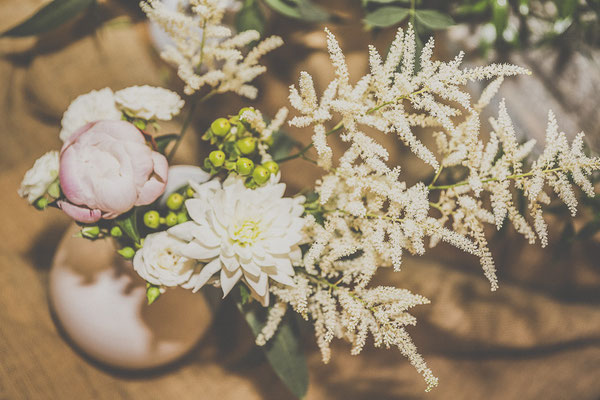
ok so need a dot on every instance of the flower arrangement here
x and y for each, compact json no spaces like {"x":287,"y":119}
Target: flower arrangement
{"x":313,"y":254}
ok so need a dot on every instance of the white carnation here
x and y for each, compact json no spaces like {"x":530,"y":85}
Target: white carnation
{"x":93,"y":106}
{"x":247,"y":234}
{"x":149,"y":102}
{"x":160,"y":261}
{"x":40,"y":176}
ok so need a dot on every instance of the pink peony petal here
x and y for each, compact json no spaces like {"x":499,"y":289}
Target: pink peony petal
{"x":155,"y":186}
{"x":78,"y":213}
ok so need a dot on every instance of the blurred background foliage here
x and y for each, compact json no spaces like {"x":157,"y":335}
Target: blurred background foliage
{"x":502,"y":25}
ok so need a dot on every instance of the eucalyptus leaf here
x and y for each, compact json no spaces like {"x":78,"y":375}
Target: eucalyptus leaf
{"x":433,"y":19}
{"x":387,"y":16}
{"x":49,"y":17}
{"x":283,"y":350}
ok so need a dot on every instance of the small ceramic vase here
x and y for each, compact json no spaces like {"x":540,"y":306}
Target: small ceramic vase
{"x":100,"y":302}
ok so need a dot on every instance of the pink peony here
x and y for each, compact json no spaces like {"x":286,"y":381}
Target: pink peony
{"x":106,"y":168}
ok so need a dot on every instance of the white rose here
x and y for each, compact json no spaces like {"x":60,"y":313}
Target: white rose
{"x":94,"y":106}
{"x":160,"y":261}
{"x":40,"y":176}
{"x":149,"y":102}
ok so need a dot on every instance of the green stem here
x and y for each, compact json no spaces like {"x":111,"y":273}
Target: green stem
{"x":435,"y":178}
{"x":335,"y":286}
{"x":301,"y":153}
{"x":195,"y":101}
{"x":188,"y":120}
{"x":515,"y":177}
{"x":340,"y":125}
{"x":436,"y":206}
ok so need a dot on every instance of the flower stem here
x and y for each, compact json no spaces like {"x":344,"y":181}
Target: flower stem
{"x":340,"y":125}
{"x":515,"y":177}
{"x":188,"y":120}
{"x":435,"y":178}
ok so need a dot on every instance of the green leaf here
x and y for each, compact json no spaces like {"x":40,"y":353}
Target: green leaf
{"x":284,"y":350}
{"x":49,"y":17}
{"x":163,"y":141}
{"x":388,"y":1}
{"x":282,"y":145}
{"x":566,"y":8}
{"x":250,"y":17}
{"x":311,"y":12}
{"x":387,"y":16}
{"x":128,"y":224}
{"x":299,"y":9}
{"x":500,"y":18}
{"x":469,"y":9}
{"x":433,"y":19}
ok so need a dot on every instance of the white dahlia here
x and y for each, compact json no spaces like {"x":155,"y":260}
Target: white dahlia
{"x":247,"y":234}
{"x":149,"y":102}
{"x":93,"y":106}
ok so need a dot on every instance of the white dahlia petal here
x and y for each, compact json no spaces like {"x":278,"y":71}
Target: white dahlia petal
{"x":228,"y":280}
{"x":196,"y":251}
{"x":200,"y":278}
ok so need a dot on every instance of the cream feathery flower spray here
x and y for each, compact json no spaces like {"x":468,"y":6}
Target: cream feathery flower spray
{"x":206,"y":52}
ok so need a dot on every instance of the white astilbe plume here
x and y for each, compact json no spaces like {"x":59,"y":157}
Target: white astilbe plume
{"x":206,"y":52}
{"x":365,"y":217}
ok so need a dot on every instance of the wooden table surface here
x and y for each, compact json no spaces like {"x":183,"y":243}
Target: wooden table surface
{"x":537,"y":337}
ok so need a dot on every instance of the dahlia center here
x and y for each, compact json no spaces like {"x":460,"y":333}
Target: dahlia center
{"x":247,"y":232}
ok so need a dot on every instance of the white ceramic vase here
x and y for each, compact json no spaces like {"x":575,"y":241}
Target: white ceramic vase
{"x":100,"y":302}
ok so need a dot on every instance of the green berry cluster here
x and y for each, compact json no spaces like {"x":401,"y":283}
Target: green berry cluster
{"x":152,"y":220}
{"x":173,"y":216}
{"x":237,"y":150}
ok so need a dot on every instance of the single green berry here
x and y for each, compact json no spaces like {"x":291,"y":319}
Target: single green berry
{"x":41,"y":203}
{"x":152,"y":293}
{"x":244,"y":166}
{"x":240,"y":129}
{"x":127,"y":252}
{"x":140,"y":124}
{"x":243,"y":110}
{"x":171,"y":219}
{"x":152,"y":219}
{"x":272,"y":166}
{"x":190,"y":192}
{"x":54,"y":190}
{"x":220,"y":126}
{"x":116,"y":232}
{"x":217,"y":158}
{"x":261,"y":175}
{"x":182,"y":217}
{"x":246,"y":145}
{"x":174,"y":201}
{"x":90,"y":232}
